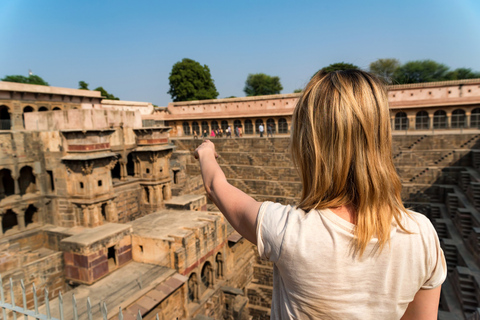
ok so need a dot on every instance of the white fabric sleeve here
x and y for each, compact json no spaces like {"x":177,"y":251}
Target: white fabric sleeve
{"x":436,"y":261}
{"x":271,"y":226}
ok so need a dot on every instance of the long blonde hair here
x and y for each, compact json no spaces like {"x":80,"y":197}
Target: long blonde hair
{"x":342,"y":146}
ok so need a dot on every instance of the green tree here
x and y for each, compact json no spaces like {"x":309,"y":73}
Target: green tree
{"x":189,"y":80}
{"x":105,"y":94}
{"x":82,"y":85}
{"x":421,"y":71}
{"x":385,"y":68}
{"x":339,"y":66}
{"x":31,"y":79}
{"x":260,"y":84}
{"x":297,"y":90}
{"x":462,"y":73}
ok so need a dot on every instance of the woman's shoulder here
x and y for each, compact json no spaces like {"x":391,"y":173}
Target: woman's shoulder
{"x":416,"y":222}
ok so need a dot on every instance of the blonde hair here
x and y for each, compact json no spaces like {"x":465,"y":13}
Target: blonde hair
{"x":342,"y":146}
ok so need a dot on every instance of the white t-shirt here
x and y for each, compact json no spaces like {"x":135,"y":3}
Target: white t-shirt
{"x":315,"y":275}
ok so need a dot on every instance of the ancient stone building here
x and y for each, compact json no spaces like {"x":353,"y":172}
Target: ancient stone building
{"x":96,"y":200}
{"x":86,"y":206}
{"x":422,"y":106}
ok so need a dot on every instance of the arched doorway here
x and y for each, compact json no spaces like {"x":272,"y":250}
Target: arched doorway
{"x":475,"y":118}
{"x":9,"y":221}
{"x":207,"y":275}
{"x":193,"y":287}
{"x":5,"y":121}
{"x":458,"y":118}
{"x":26,"y":181}
{"x":205,"y":128}
{"x":439,"y":119}
{"x":186,"y":128}
{"x":196,"y":128}
{"x":214,"y":124}
{"x":56,"y":108}
{"x":7,"y":184}
{"x":42,"y":109}
{"x":248,"y":126}
{"x":130,"y":165}
{"x":26,"y":110}
{"x":271,"y":126}
{"x":224,"y":125}
{"x":258,"y":122}
{"x":282,"y":125}
{"x":422,"y":120}
{"x":31,"y":215}
{"x":401,"y":121}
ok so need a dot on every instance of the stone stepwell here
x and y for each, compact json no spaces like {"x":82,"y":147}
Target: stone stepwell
{"x":440,"y":174}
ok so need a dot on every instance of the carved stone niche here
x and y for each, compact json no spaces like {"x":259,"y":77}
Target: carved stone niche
{"x":90,"y":174}
{"x":87,"y":140}
{"x":152,"y":135}
{"x":153,"y":164}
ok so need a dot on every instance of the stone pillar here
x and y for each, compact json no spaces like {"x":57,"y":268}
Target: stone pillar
{"x":112,"y":214}
{"x":430,"y":122}
{"x":21,"y":220}
{"x":151,"y":194}
{"x":86,"y":216}
{"x":411,"y":122}
{"x":123,"y":170}
{"x":17,"y":185}
{"x":468,"y":116}
{"x":449,"y":120}
{"x":158,"y":194}
{"x":167,"y":192}
{"x":94,"y":216}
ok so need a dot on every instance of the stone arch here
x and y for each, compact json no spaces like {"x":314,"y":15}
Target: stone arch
{"x":56,"y":108}
{"x":207,"y":274}
{"x":26,"y":110}
{"x":439,"y":119}
{"x":282,"y":125}
{"x":7,"y":184}
{"x":196,"y":128}
{"x":422,"y":120}
{"x":224,"y":125}
{"x":219,"y":261}
{"x":475,"y":118}
{"x":193,"y":287}
{"x":31,"y":215}
{"x":258,"y":122}
{"x":214,"y":125}
{"x":458,"y":118}
{"x":9,"y":221}
{"x":272,"y":124}
{"x":186,"y":128}
{"x":5,"y":120}
{"x":401,"y":121}
{"x":27,"y":181}
{"x":205,"y":127}
{"x":42,"y":109}
{"x":117,"y":170}
{"x":130,"y":165}
{"x":248,"y":126}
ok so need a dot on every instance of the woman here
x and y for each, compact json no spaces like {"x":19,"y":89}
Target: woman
{"x":349,"y":250}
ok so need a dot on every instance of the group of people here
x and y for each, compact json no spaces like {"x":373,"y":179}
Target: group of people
{"x":219,"y":132}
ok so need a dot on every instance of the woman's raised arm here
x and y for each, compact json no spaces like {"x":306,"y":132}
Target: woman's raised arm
{"x":240,"y":209}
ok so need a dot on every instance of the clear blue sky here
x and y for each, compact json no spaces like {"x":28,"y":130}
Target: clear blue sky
{"x":129,"y":47}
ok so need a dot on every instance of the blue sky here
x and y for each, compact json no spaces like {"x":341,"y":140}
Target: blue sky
{"x":129,"y":47}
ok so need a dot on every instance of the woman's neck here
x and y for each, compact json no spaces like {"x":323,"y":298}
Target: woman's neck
{"x":346,"y":212}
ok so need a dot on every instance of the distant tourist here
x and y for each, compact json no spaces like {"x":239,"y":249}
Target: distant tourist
{"x":260,"y":129}
{"x":212,"y":133}
{"x":205,"y":134}
{"x":348,"y":249}
{"x":195,"y":134}
{"x":240,"y":132}
{"x":229,"y":132}
{"x":237,"y":132}
{"x":269,"y":131}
